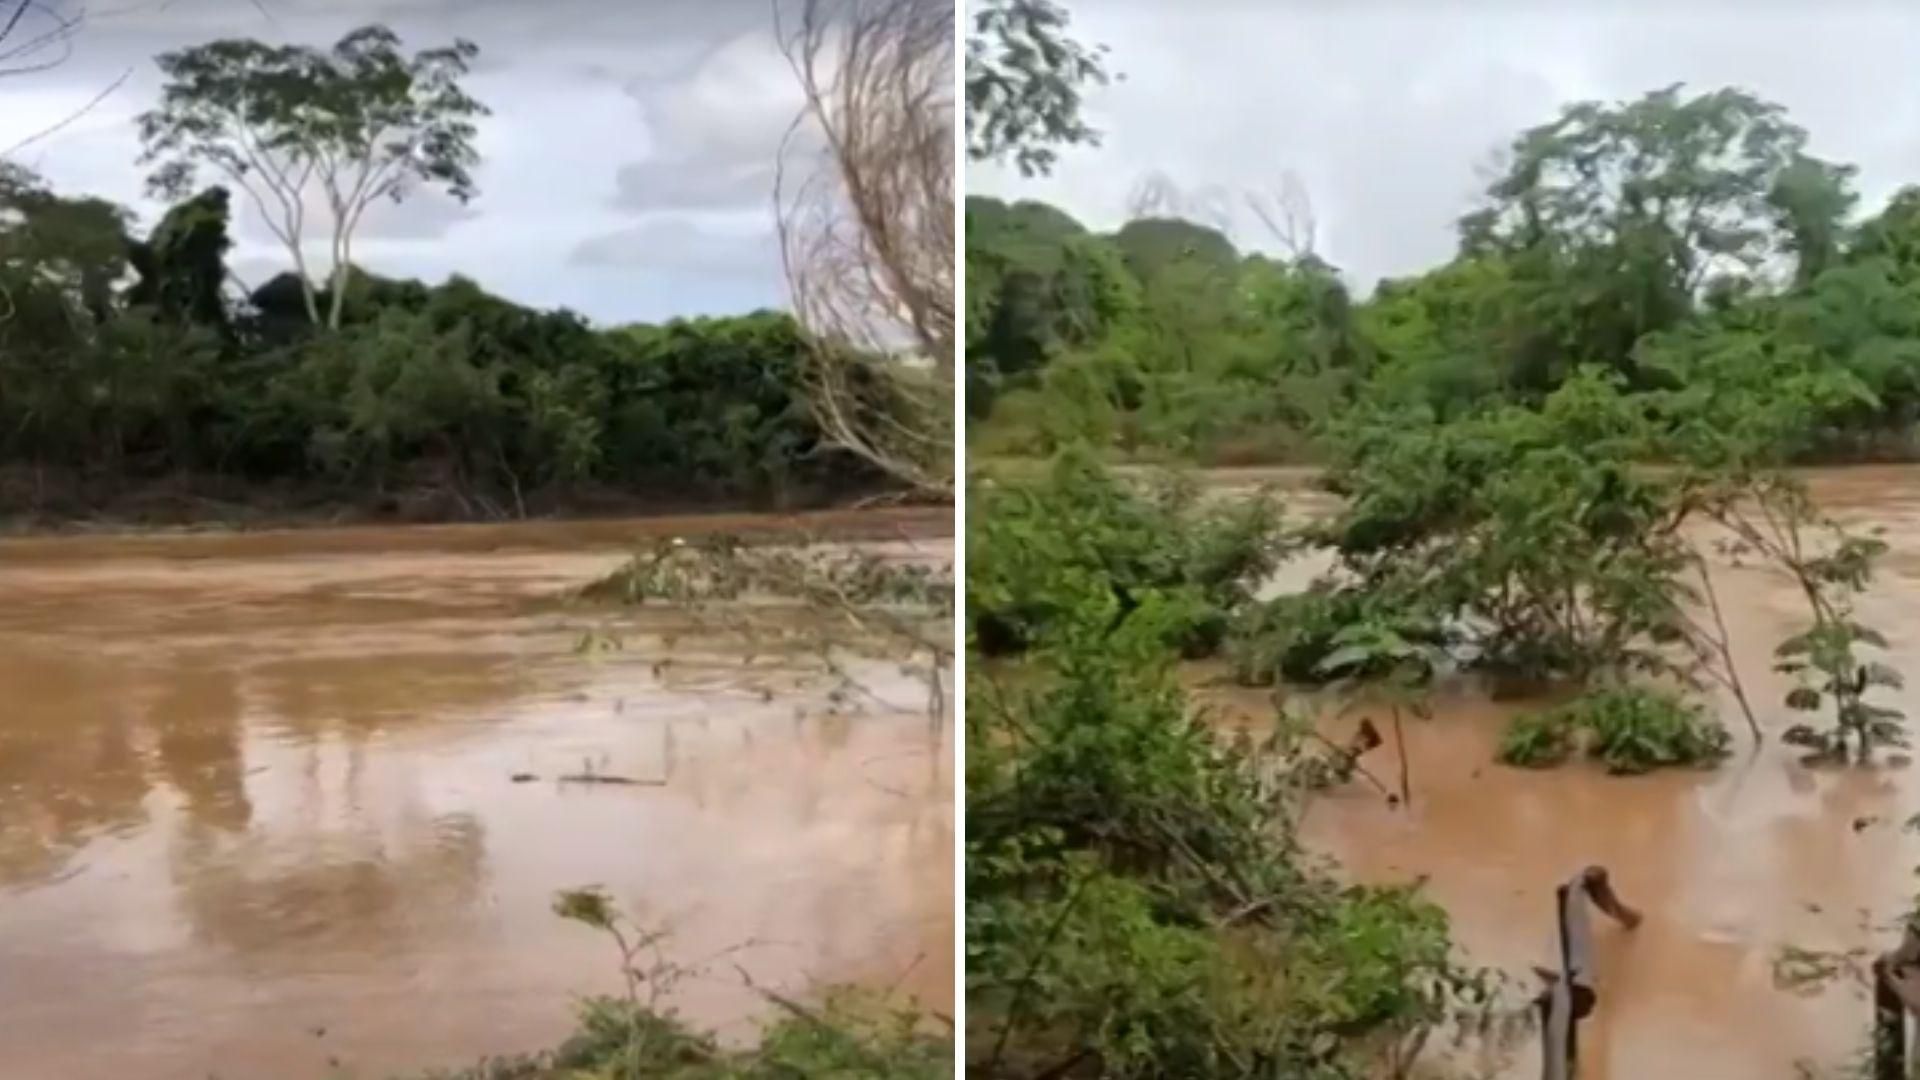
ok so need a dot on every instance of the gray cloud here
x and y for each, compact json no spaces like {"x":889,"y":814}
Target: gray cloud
{"x":1388,"y":111}
{"x":670,"y":108}
{"x":714,"y":130}
{"x":680,"y":245}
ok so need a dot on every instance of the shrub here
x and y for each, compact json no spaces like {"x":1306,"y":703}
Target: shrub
{"x":1079,"y":545}
{"x":1137,"y":903}
{"x":1628,"y":729}
{"x":1537,"y":739}
{"x":1289,"y":638}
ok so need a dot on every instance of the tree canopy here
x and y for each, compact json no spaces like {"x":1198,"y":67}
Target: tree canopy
{"x":351,"y":125}
{"x":1681,"y":241}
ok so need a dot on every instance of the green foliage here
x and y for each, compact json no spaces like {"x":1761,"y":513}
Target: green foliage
{"x":1629,"y":729}
{"x":362,"y":120}
{"x":1078,"y":549}
{"x":850,"y":1034}
{"x":1160,"y":338}
{"x":1137,"y":902}
{"x":1537,"y":739}
{"x":1531,"y":531}
{"x":1685,"y":243}
{"x":1826,"y":656}
{"x":459,"y":402}
{"x":182,"y":264}
{"x":1024,"y":78}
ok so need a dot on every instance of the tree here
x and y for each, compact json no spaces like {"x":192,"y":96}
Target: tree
{"x":182,"y":264}
{"x":866,"y":229}
{"x":1617,"y":219}
{"x":1024,"y":78}
{"x":360,"y":122}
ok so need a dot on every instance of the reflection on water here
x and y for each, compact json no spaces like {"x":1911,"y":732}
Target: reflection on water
{"x":256,"y":813}
{"x":1728,"y":865}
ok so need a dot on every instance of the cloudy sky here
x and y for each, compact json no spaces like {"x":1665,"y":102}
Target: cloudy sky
{"x":1388,"y":111}
{"x":628,"y":164}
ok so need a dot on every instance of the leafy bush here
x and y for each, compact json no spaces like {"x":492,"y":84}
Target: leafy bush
{"x":1290,"y":637}
{"x":1537,"y":739}
{"x":1628,"y":729}
{"x":1079,"y":545}
{"x":1535,"y":532}
{"x":1137,"y":903}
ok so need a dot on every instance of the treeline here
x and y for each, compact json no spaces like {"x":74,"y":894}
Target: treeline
{"x":1679,"y":243}
{"x":125,"y":362}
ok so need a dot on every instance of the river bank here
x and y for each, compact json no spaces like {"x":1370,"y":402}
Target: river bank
{"x":36,"y":501}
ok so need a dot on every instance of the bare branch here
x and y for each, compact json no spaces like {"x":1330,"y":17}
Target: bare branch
{"x":865,"y":226}
{"x":70,"y":118}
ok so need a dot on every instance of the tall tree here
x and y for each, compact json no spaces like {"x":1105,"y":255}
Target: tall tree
{"x":1617,"y":219}
{"x":1024,"y":79}
{"x":350,"y":125}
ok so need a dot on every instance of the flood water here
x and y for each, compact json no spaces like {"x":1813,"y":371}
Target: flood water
{"x":257,"y":814}
{"x":1729,"y":866}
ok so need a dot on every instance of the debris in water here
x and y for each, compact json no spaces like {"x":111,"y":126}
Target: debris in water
{"x":1807,"y":972}
{"x":589,"y":778}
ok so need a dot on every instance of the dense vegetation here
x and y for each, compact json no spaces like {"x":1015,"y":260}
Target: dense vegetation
{"x":1672,"y":280}
{"x":136,"y":372}
{"x":1683,"y":243}
{"x":460,"y":401}
{"x":1137,"y":904}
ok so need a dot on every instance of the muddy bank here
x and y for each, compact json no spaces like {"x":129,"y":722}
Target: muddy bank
{"x":1733,"y":867}
{"x":257,"y":812}
{"x":46,"y":501}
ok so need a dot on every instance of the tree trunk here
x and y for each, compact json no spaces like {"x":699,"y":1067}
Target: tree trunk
{"x":338,"y":303}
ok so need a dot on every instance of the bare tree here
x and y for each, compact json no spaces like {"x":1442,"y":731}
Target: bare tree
{"x":1157,"y":195}
{"x":1287,"y":213}
{"x":864,"y":208}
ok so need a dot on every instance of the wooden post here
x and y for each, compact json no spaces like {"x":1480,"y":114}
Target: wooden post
{"x":1574,"y":989}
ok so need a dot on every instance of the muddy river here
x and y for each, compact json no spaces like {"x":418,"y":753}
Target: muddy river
{"x":1730,"y":866}
{"x":257,"y":814}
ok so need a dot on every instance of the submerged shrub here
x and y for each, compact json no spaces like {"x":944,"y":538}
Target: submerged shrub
{"x":1291,"y":637}
{"x":1082,"y":546}
{"x":1537,"y":739}
{"x":1629,"y":729}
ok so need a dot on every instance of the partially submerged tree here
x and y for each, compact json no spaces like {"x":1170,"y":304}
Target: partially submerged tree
{"x":350,"y":125}
{"x":866,"y":228}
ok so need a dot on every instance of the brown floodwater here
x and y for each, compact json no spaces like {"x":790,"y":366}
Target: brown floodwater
{"x":257,"y":814}
{"x":1729,"y":865}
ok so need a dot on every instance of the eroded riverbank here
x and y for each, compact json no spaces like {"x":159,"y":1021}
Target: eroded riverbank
{"x":256,"y":814}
